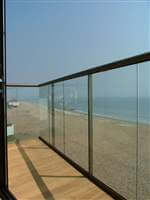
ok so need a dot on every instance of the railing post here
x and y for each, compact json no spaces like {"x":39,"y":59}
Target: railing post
{"x":53,"y":117}
{"x":48,"y":99}
{"x":137,"y":136}
{"x":64,"y":136}
{"x":90,"y":123}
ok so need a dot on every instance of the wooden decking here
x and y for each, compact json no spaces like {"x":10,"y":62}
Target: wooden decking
{"x":36,"y":172}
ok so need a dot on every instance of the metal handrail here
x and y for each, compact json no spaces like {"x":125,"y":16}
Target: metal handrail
{"x":21,"y":85}
{"x":101,"y":68}
{"x":106,"y":67}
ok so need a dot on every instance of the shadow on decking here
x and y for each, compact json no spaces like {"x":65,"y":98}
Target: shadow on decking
{"x":37,"y":178}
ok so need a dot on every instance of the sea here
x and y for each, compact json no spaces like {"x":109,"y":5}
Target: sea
{"x":122,"y":108}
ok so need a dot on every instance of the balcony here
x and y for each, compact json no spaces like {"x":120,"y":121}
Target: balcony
{"x":83,"y":136}
{"x":37,"y":172}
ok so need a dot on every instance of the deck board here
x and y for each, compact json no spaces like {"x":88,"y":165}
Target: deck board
{"x":36,"y":172}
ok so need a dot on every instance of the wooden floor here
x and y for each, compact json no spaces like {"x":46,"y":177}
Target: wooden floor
{"x":36,"y":172}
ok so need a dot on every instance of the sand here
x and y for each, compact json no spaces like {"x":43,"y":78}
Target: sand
{"x":115,"y":146}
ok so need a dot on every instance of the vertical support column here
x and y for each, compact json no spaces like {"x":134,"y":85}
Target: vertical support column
{"x":64,"y":138}
{"x":53,"y":117}
{"x":1,"y":41}
{"x":3,"y":104}
{"x":90,"y":123}
{"x":137,"y":139}
{"x":48,"y":115}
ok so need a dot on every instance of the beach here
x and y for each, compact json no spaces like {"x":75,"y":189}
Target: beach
{"x":117,"y":159}
{"x":26,"y":120}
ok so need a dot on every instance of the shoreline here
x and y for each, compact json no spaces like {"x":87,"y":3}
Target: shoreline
{"x":109,"y":117}
{"x":80,"y":112}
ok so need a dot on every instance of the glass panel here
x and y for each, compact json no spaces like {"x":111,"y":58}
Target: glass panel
{"x":143,"y":180}
{"x":76,"y":120}
{"x":115,"y":129}
{"x":23,"y":112}
{"x":44,"y":115}
{"x":50,"y":113}
{"x":11,"y":113}
{"x":23,"y":133}
{"x":59,"y":115}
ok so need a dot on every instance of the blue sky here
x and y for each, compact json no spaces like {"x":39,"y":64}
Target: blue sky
{"x":49,"y":39}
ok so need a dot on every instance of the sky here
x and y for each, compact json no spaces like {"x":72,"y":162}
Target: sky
{"x":50,"y":39}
